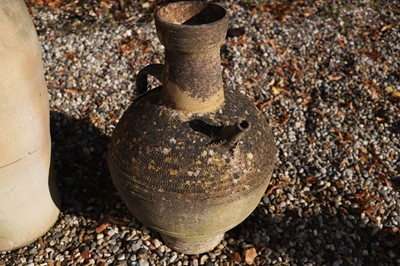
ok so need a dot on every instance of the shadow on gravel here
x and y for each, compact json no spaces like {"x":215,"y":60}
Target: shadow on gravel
{"x":291,"y":232}
{"x":79,"y":161}
{"x":82,"y":176}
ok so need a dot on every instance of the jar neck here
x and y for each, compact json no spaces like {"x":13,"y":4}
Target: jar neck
{"x":192,"y":33}
{"x":193,"y":81}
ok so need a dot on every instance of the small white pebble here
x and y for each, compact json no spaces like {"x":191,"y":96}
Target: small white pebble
{"x":166,"y":151}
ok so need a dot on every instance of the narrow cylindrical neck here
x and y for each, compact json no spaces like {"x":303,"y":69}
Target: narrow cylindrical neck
{"x":192,"y":33}
{"x":193,"y":81}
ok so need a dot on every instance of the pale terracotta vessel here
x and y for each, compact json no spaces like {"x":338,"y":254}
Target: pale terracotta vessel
{"x":27,"y":192}
{"x":191,"y":159}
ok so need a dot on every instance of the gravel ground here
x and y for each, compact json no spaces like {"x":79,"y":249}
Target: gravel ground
{"x":325,"y":73}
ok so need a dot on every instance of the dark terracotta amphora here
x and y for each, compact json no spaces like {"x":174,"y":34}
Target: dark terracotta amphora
{"x":191,"y":159}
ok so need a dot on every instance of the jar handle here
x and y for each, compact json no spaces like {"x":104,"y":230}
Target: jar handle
{"x":155,"y":70}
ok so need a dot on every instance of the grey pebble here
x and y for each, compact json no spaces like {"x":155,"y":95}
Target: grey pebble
{"x":143,"y":262}
{"x":135,"y":246}
{"x":141,"y":251}
{"x":156,"y":242}
{"x":203,"y":259}
{"x":173,"y":257}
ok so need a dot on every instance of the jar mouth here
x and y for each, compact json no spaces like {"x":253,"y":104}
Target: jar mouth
{"x":190,"y":13}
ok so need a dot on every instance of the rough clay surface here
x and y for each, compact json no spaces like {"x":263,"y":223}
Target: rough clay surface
{"x":326,"y":75}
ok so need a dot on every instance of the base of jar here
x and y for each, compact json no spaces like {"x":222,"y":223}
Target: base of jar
{"x":191,"y":248}
{"x":19,"y":240}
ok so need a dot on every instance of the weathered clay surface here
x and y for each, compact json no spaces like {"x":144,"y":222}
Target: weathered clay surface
{"x":27,"y":208}
{"x":192,"y":33}
{"x":192,"y":175}
{"x":171,"y":169}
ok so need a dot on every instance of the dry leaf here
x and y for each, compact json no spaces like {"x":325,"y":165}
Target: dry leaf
{"x":264,"y":104}
{"x":284,"y":120}
{"x":335,"y":77}
{"x":389,"y":89}
{"x":281,"y":82}
{"x":378,"y":165}
{"x":340,"y":135}
{"x":312,"y":179}
{"x":373,"y":151}
{"x":105,"y":4}
{"x":72,"y":90}
{"x":85,"y":254}
{"x":125,"y":49}
{"x":363,"y":150}
{"x":236,"y":257}
{"x":116,"y":221}
{"x":70,"y":55}
{"x":279,"y":71}
{"x":342,"y":163}
{"x":360,"y":195}
{"x":396,"y":94}
{"x":285,"y":52}
{"x":370,"y":211}
{"x":351,"y":105}
{"x":250,"y":255}
{"x":341,"y":42}
{"x":348,"y":137}
{"x":271,"y":190}
{"x":393,"y":230}
{"x":54,"y":4}
{"x":387,"y":27}
{"x":377,"y":198}
{"x":364,"y":158}
{"x":101,"y":262}
{"x":101,"y":228}
{"x":275,"y":91}
{"x":371,"y":169}
{"x":308,"y":11}
{"x":146,"y":5}
{"x":384,"y":178}
{"x":272,"y":82}
{"x":272,"y":43}
{"x":148,"y":49}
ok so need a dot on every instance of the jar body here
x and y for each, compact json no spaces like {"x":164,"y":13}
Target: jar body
{"x":174,"y":178}
{"x":27,"y":192}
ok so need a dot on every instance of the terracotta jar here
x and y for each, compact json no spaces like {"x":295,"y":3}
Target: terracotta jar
{"x":191,"y":159}
{"x":27,"y":193}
